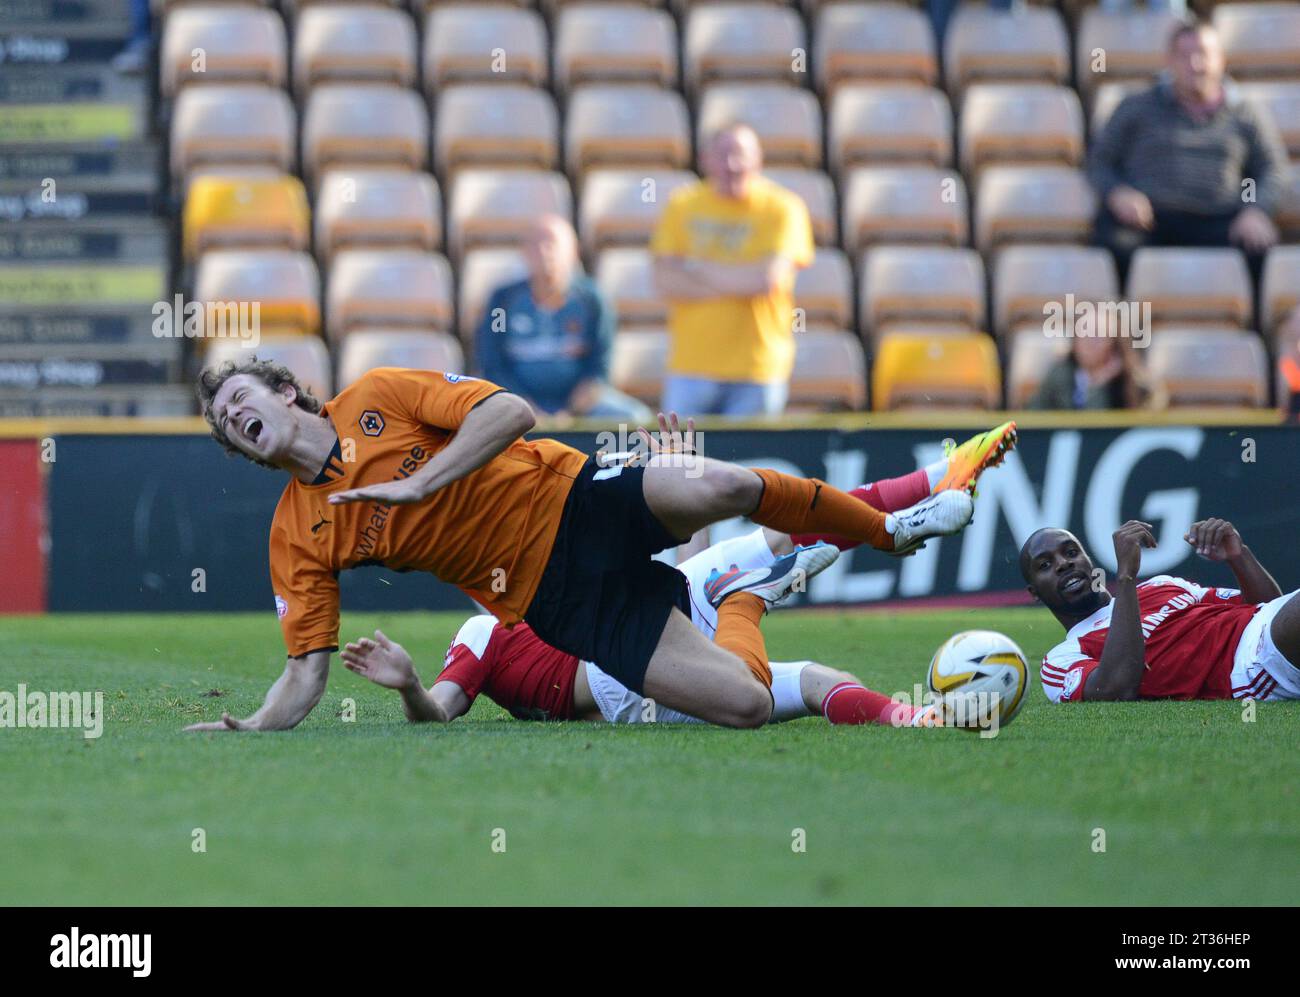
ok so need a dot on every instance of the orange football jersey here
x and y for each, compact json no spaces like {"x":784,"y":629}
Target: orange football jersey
{"x":490,"y":533}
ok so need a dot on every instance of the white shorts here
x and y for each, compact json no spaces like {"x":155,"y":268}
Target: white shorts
{"x":1259,"y":670}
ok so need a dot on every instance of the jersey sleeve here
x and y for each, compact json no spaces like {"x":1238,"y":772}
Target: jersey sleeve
{"x":1065,"y":672}
{"x":306,"y":597}
{"x":431,"y":397}
{"x":1212,"y":596}
{"x":467,"y":662}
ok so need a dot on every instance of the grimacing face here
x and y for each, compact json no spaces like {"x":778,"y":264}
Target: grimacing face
{"x":1059,"y":572}
{"x":254,"y":417}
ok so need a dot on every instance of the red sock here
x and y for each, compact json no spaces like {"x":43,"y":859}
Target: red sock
{"x":888,"y":495}
{"x":850,"y":703}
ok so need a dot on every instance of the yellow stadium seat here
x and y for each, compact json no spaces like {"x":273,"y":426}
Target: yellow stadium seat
{"x":484,"y":43}
{"x":624,"y":43}
{"x":788,"y":120}
{"x":360,"y":125}
{"x":1280,"y":100}
{"x":490,"y":207}
{"x":221,"y":44}
{"x":1019,"y":123}
{"x":306,"y":356}
{"x":954,"y":370}
{"x":354,"y":45}
{"x":625,"y":125}
{"x":1032,"y":204}
{"x":875,"y":124}
{"x":1025,"y":278}
{"x":1260,"y":39}
{"x":725,"y":41}
{"x":221,"y":213}
{"x":508,"y":125}
{"x":1121,"y":47}
{"x":482,"y":271}
{"x":365,"y":349}
{"x":1191,"y":285}
{"x":903,"y":204}
{"x":1279,"y":288}
{"x":823,"y":291}
{"x":817,"y":193}
{"x":875,"y":42}
{"x":232,"y":124}
{"x":284,"y":283}
{"x":987,"y":44}
{"x":638,"y":362}
{"x":625,"y":275}
{"x":377,"y":207}
{"x":1030,"y":356}
{"x":388,"y":287}
{"x":830,"y":372}
{"x":617,"y":210}
{"x":1204,"y":367}
{"x":935,"y":285}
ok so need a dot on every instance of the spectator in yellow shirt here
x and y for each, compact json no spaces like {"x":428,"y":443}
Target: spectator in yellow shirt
{"x":726,"y":253}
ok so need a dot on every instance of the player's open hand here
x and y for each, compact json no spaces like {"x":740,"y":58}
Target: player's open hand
{"x":1129,"y":541}
{"x":671,"y":438}
{"x":380,"y":660}
{"x":1215,"y":539}
{"x":227,"y":722}
{"x":388,"y":493}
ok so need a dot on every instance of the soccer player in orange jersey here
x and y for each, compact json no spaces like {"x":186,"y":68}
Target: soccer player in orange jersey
{"x":424,"y":470}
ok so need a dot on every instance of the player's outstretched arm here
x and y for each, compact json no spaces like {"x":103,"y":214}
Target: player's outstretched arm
{"x":294,"y":694}
{"x":1118,"y":674}
{"x":1218,"y":540}
{"x":387,"y":663}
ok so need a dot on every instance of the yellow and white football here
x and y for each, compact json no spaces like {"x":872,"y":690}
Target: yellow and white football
{"x":976,"y":673}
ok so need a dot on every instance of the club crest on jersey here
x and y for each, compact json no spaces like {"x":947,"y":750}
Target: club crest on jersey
{"x":281,"y":607}
{"x":372,"y":423}
{"x":1071,"y":683}
{"x":454,"y":378}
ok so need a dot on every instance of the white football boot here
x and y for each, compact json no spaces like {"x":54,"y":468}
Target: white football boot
{"x":775,"y":582}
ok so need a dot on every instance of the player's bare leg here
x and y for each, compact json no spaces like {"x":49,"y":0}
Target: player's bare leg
{"x":1285,"y":629}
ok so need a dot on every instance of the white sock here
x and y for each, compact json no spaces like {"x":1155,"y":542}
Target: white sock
{"x":787,"y":696}
{"x":935,"y":472}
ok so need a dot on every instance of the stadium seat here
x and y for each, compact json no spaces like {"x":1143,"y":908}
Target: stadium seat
{"x":1260,"y":39}
{"x":1025,"y":278}
{"x":953,"y":370}
{"x":378,"y":208}
{"x":623,"y":125}
{"x":284,"y":283}
{"x":1029,"y":357}
{"x":624,"y":43}
{"x":388,"y":287}
{"x":620,"y":207}
{"x":353,"y":44}
{"x":230,"y":171}
{"x":482,"y":271}
{"x":876,"y":42}
{"x":788,"y":120}
{"x":365,"y":349}
{"x":987,"y":44}
{"x":626,"y":277}
{"x":1019,"y":123}
{"x":830,"y":372}
{"x":1032,"y":204}
{"x":232,"y":124}
{"x":726,"y":41}
{"x":229,"y":213}
{"x":1191,"y":285}
{"x":506,"y":124}
{"x":637,"y":363}
{"x":818,"y":194}
{"x":940,"y":285}
{"x":489,"y":207}
{"x":355,"y":125}
{"x":823,"y":291}
{"x":484,"y":43}
{"x":1281,"y":101}
{"x":903,"y":204}
{"x":1120,"y":47}
{"x":888,"y":124}
{"x":216,"y":43}
{"x":1203,"y":367}
{"x":1105,"y":99}
{"x":306,"y":356}
{"x":1279,"y":287}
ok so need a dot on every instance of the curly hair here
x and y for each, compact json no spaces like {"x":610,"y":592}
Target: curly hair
{"x":272,"y":374}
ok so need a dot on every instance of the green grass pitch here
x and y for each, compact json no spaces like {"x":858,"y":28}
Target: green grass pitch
{"x":1196,"y":805}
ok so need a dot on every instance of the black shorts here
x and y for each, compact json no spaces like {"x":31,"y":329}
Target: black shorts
{"x":601,"y":596}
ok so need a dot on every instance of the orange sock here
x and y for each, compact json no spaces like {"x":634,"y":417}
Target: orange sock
{"x":739,"y":633}
{"x":807,"y":505}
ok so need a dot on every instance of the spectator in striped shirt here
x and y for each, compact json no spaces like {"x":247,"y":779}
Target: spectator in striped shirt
{"x":1187,"y":162}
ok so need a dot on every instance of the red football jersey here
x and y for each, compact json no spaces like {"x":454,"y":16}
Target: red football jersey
{"x":1191,"y":635}
{"x":514,"y":668}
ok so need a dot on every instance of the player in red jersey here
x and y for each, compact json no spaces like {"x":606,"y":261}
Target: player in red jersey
{"x":1167,"y":637}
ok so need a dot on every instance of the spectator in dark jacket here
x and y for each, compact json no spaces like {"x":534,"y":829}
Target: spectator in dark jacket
{"x":1100,"y":372}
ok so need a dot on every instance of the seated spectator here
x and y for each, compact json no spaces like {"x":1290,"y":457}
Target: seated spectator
{"x":1288,"y":366}
{"x":1100,"y":372}
{"x":547,"y":337}
{"x":1187,"y":162}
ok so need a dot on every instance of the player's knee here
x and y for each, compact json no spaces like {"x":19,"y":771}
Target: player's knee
{"x":752,"y":707}
{"x":732,"y":487}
